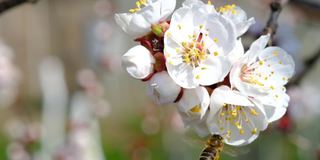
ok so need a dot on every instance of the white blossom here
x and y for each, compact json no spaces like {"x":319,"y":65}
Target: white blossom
{"x":194,"y":102}
{"x":197,"y":45}
{"x":235,"y":117}
{"x":162,"y":89}
{"x":138,"y":62}
{"x":261,"y":69}
{"x":147,"y":12}
{"x":261,"y":74}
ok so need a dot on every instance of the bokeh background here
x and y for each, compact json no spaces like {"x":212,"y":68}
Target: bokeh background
{"x":64,"y":95}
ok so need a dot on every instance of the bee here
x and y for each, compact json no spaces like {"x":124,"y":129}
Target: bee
{"x":213,"y":148}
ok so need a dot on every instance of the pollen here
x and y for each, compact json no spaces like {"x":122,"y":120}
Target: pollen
{"x":254,"y":131}
{"x":215,"y":53}
{"x":253,"y":112}
{"x":272,"y":87}
{"x":275,"y":53}
{"x":197,"y":77}
{"x":238,"y":125}
{"x":215,"y":40}
{"x":196,"y":109}
{"x":139,"y":4}
{"x":241,"y":131}
{"x":209,"y":2}
{"x":204,"y":68}
{"x":261,"y":63}
{"x":168,"y":34}
{"x":179,"y":26}
{"x":228,"y":8}
{"x":194,"y":50}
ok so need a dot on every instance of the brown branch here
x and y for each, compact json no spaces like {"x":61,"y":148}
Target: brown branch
{"x":308,"y":65}
{"x":272,"y":23}
{"x":8,"y":4}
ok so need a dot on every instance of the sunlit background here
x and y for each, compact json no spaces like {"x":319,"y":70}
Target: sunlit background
{"x":64,"y":95}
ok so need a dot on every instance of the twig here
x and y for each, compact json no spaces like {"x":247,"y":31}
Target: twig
{"x":308,"y":65}
{"x":8,"y":4}
{"x":272,"y":23}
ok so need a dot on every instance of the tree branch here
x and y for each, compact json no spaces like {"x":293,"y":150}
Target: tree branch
{"x":8,"y":4}
{"x":272,"y":22}
{"x":308,"y":65}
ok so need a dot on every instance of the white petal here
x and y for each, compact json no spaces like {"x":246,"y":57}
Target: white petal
{"x":162,"y":89}
{"x":138,"y":62}
{"x":133,"y":24}
{"x":275,"y":104}
{"x":213,"y":70}
{"x":198,"y":125}
{"x":223,"y":30}
{"x":167,"y":7}
{"x":237,"y":52}
{"x":224,"y":95}
{"x":199,"y":4}
{"x":279,"y":62}
{"x":182,"y":75}
{"x":139,"y":23}
{"x":239,"y":18}
{"x":190,"y":3}
{"x":257,"y":46}
{"x":194,"y":102}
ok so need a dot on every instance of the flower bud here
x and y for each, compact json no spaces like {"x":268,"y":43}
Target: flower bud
{"x":194,"y":102}
{"x":162,"y":89}
{"x":138,"y":62}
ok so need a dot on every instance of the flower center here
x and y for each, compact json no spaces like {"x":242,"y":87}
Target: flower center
{"x":236,"y":116}
{"x":194,"y":51}
{"x":249,"y":75}
{"x":139,"y":4}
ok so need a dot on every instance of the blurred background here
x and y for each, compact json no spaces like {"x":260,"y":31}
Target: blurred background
{"x":64,"y":95}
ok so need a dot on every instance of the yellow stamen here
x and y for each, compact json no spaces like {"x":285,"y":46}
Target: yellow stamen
{"x":139,"y":4}
{"x":196,"y":109}
{"x":253,"y":112}
{"x":254,"y":131}
{"x":231,"y":8}
{"x":261,"y":63}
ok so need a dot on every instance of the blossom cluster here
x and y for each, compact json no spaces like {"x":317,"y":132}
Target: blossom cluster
{"x":197,"y":61}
